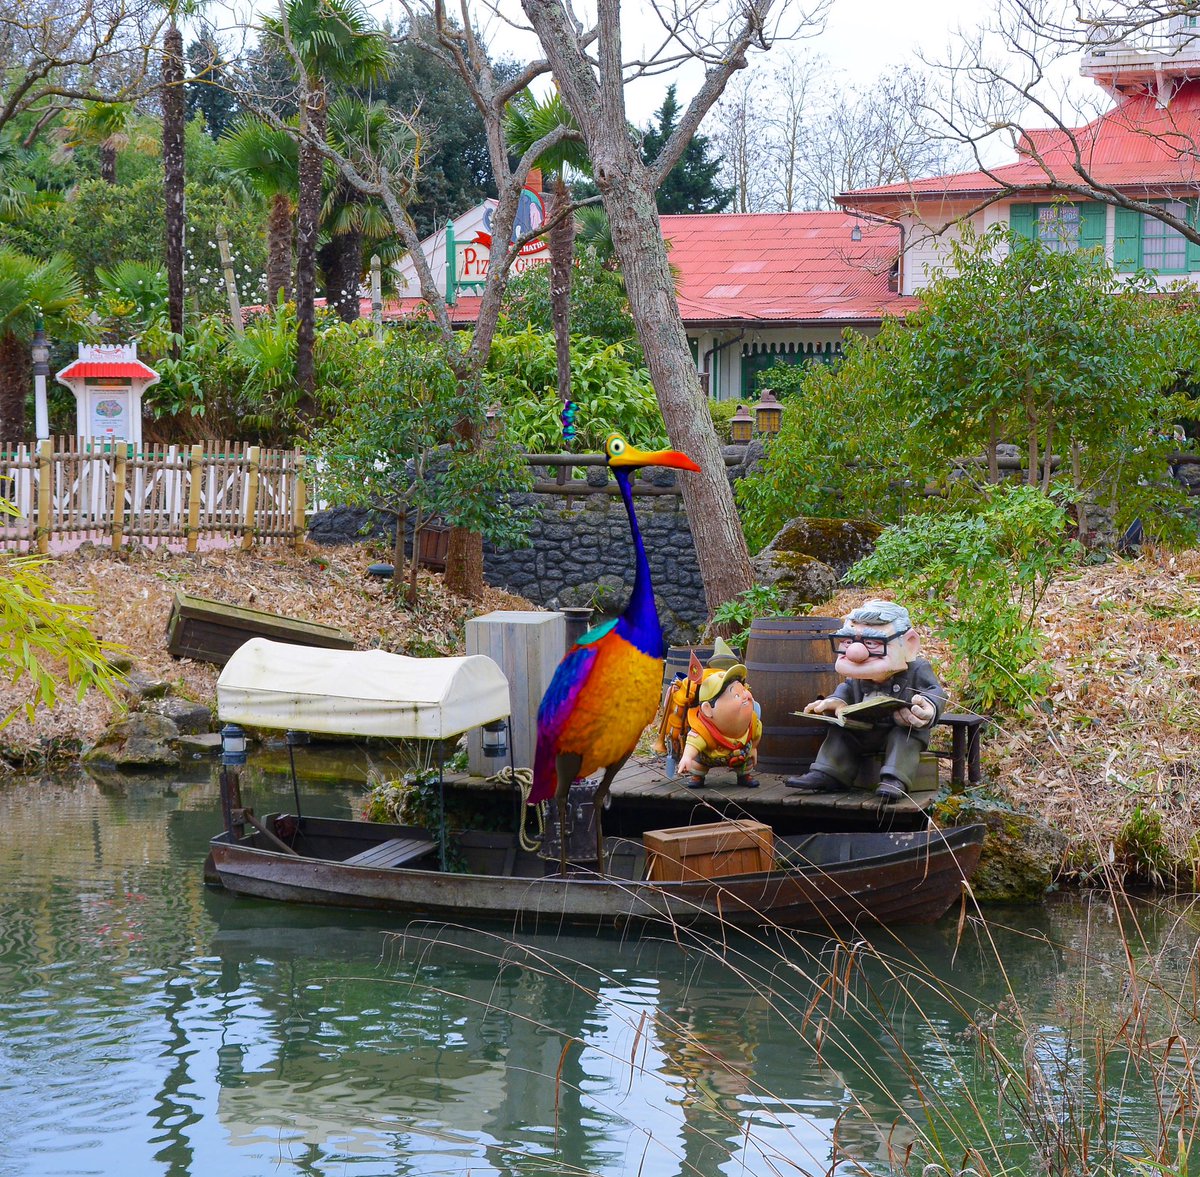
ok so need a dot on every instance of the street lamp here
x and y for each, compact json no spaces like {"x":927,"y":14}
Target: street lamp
{"x":41,"y":369}
{"x":768,"y":415}
{"x":741,"y":425}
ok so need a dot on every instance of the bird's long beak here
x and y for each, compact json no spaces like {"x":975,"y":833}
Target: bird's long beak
{"x":632,"y":456}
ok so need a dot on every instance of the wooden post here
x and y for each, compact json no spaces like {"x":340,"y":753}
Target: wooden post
{"x":251,"y":498}
{"x":195,"y":486}
{"x":235,"y":305}
{"x":377,"y":296}
{"x":527,"y":647}
{"x":299,"y":504}
{"x":120,"y":463}
{"x":45,"y":506}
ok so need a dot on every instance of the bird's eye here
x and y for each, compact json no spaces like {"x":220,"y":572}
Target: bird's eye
{"x":616,"y":447}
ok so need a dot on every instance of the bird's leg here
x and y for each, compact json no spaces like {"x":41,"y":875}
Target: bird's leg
{"x":566,"y":768}
{"x":598,"y":804}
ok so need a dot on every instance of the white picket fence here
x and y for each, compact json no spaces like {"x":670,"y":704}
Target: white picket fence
{"x":68,"y":490}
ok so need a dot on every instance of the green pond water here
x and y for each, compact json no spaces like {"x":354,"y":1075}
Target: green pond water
{"x":151,"y":1025}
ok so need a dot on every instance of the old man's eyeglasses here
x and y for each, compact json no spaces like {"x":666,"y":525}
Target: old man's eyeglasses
{"x":876,"y":643}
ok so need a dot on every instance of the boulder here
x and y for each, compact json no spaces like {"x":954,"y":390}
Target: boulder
{"x":190,"y":718}
{"x":1022,"y":855}
{"x":138,"y":686}
{"x":140,"y":740}
{"x":839,"y":543}
{"x":801,"y":580}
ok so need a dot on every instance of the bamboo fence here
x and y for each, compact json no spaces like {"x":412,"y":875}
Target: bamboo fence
{"x":68,"y":490}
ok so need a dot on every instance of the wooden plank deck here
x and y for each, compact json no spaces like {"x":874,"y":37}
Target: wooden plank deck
{"x":643,"y":780}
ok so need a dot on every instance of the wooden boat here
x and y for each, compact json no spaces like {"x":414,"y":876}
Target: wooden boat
{"x":821,"y":881}
{"x":726,"y":874}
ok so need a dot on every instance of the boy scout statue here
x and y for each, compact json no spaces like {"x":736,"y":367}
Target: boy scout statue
{"x":877,"y":654}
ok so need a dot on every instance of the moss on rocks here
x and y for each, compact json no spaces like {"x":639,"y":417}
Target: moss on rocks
{"x":836,"y":542}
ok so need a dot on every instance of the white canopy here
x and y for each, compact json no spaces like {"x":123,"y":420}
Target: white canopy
{"x":359,"y":693}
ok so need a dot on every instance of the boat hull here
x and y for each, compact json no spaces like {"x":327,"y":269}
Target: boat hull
{"x":835,"y":881}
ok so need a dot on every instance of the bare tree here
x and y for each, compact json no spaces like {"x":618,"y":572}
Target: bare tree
{"x":55,"y":54}
{"x":737,"y":123}
{"x":590,"y":68}
{"x":793,"y":83}
{"x":1013,"y":86}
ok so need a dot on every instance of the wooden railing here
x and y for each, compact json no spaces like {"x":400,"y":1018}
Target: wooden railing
{"x":68,"y":490}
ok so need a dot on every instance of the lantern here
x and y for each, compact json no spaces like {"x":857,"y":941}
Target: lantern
{"x":494,"y":742}
{"x":233,"y":745}
{"x":741,"y":425}
{"x":768,"y":415}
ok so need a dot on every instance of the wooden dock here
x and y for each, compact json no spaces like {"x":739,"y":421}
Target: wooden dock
{"x":643,"y":785}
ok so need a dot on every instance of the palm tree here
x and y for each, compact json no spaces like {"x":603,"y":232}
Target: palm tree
{"x":327,"y":41}
{"x":267,"y":159}
{"x":29,"y":288}
{"x":349,"y":218}
{"x":104,"y":125}
{"x":527,"y":121}
{"x":174,"y":112}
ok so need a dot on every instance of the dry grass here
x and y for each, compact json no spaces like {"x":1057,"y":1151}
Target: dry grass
{"x":131,"y":597}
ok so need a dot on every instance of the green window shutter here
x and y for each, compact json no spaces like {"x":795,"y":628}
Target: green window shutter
{"x":1127,"y":239}
{"x":1193,"y":250}
{"x":1093,"y":220}
{"x":1022,"y":219}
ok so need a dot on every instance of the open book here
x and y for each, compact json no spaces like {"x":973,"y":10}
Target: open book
{"x":860,"y":716}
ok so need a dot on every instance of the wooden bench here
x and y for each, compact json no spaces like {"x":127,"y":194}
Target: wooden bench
{"x":393,"y":852}
{"x":965,"y":730}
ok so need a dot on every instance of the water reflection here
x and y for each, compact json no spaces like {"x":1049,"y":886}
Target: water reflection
{"x":148,"y":1025}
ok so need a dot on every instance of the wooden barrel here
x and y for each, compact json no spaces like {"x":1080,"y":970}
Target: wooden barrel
{"x":678,"y":658}
{"x":789,"y":663}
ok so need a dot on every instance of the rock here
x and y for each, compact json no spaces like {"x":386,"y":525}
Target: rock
{"x":1021,"y":853}
{"x":144,"y":686}
{"x":190,"y":718}
{"x":140,"y":740}
{"x":205,"y":744}
{"x":836,"y":542}
{"x":801,"y":580}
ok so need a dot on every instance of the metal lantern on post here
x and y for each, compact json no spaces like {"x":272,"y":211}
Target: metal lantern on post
{"x":233,"y":756}
{"x":768,"y":415}
{"x":41,"y":370}
{"x":741,"y":426}
{"x":492,"y":420}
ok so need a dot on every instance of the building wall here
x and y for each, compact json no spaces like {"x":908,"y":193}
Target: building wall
{"x":927,"y":243}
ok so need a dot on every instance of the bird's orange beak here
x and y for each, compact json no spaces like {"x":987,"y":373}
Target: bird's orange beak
{"x":631,"y":456}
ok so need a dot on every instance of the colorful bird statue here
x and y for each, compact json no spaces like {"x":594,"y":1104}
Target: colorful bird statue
{"x":607,"y":687}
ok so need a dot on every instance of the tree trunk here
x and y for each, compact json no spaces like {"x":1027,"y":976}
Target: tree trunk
{"x":173,"y":173}
{"x":993,"y":460}
{"x":562,"y":256}
{"x":308,"y":216}
{"x":707,"y":496}
{"x":108,"y":163}
{"x":16,"y":382}
{"x":464,"y":552}
{"x":341,"y":262}
{"x":279,"y":249}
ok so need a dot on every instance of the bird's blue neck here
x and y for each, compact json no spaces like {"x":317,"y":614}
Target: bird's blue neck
{"x":640,"y":619}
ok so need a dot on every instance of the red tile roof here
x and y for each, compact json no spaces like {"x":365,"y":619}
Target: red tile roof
{"x":125,"y":370}
{"x":1138,"y":146}
{"x":782,"y":267}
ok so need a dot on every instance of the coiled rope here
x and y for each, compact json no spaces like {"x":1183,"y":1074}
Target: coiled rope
{"x":523,"y":779}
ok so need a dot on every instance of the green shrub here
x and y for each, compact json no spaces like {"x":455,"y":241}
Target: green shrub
{"x":978,"y":578}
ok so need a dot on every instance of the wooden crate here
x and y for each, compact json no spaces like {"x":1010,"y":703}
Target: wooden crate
{"x":210,"y":631}
{"x":711,"y":851}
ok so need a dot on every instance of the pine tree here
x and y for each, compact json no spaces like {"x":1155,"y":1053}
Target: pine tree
{"x":691,"y":185}
{"x":209,"y":90}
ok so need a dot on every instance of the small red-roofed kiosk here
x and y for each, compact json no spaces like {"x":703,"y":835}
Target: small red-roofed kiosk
{"x":108,"y":381}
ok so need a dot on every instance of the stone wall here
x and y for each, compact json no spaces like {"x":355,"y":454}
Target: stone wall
{"x":580,"y":550}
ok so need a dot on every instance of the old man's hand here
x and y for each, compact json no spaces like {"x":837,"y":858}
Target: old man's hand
{"x":919,"y":713}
